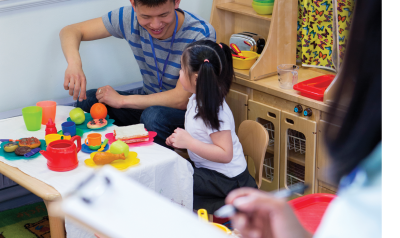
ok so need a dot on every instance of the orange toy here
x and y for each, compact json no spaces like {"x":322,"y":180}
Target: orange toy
{"x":102,"y":158}
{"x":98,"y":111}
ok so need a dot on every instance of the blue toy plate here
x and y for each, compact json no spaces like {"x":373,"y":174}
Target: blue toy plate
{"x":86,"y":149}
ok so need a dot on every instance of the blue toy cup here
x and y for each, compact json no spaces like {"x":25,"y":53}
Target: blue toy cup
{"x":69,"y":127}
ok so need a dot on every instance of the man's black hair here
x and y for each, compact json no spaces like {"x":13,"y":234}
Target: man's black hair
{"x":152,"y":3}
{"x":361,"y":76}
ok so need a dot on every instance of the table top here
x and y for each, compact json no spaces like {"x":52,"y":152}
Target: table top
{"x":36,"y":177}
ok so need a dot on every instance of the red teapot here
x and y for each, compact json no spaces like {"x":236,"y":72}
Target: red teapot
{"x":62,"y":155}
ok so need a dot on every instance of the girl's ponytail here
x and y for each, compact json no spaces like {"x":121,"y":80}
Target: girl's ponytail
{"x":228,"y":68}
{"x":209,"y":97}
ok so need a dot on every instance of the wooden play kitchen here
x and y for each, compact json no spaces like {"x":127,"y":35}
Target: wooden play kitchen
{"x":295,"y":124}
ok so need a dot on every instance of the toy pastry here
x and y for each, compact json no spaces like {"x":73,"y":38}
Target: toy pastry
{"x":97,"y":123}
{"x":132,"y":133}
{"x":10,"y":147}
{"x":22,"y":150}
{"x":31,"y":142}
{"x":101,"y":158}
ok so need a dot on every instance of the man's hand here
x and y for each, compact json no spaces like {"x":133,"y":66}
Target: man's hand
{"x":109,"y":96}
{"x":75,"y":82}
{"x":179,"y":139}
{"x":262,"y":215}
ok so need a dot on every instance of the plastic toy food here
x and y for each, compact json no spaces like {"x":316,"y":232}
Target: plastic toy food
{"x":102,"y":158}
{"x":50,"y":127}
{"x":97,"y":123}
{"x":22,"y":150}
{"x":31,"y":142}
{"x":98,"y":111}
{"x":132,"y":133}
{"x":119,"y":147}
{"x":77,"y":115}
{"x":10,"y":147}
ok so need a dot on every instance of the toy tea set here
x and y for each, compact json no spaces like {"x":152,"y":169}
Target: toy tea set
{"x":61,"y":152}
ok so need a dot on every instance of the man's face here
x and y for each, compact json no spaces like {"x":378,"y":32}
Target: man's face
{"x":158,"y":21}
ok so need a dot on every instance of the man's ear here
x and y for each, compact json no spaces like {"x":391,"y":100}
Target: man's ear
{"x":133,"y":4}
{"x":177,"y":2}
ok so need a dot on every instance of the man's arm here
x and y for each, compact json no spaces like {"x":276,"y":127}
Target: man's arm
{"x":71,"y":37}
{"x":174,"y":98}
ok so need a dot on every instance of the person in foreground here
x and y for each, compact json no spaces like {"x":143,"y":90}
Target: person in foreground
{"x":356,"y":151}
{"x":213,"y":146}
{"x":157,"y":31}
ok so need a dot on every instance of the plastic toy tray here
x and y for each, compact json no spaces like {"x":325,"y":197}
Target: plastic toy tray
{"x":315,"y":88}
{"x":310,"y":209}
{"x":13,"y":156}
{"x":89,"y":118}
{"x":152,"y":134}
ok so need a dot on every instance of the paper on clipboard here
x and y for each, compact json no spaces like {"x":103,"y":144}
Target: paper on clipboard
{"x":118,"y":207}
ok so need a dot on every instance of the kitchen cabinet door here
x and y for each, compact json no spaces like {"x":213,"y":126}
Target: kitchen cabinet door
{"x":298,"y":146}
{"x":270,"y":118}
{"x":237,"y":102}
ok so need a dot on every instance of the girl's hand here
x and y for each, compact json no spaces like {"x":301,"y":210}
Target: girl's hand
{"x":262,"y":215}
{"x":179,"y":139}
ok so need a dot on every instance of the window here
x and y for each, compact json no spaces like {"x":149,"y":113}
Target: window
{"x":11,"y":5}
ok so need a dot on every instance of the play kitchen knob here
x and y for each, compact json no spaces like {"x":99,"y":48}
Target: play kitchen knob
{"x":307,"y":112}
{"x":298,"y":109}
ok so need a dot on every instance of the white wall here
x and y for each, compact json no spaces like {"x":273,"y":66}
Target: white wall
{"x":32,"y":64}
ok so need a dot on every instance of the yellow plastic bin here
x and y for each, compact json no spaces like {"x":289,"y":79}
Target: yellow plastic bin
{"x":239,"y":63}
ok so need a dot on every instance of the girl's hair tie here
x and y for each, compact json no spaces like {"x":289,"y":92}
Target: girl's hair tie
{"x":206,"y":60}
{"x":220,"y":46}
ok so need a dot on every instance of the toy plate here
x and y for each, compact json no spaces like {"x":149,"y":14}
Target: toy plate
{"x":13,"y":156}
{"x":88,"y":118}
{"x":118,"y":164}
{"x":79,"y":132}
{"x":86,"y":149}
{"x":152,"y":134}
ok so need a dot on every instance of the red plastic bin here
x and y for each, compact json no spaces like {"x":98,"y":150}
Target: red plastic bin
{"x":314,"y":88}
{"x":310,"y":209}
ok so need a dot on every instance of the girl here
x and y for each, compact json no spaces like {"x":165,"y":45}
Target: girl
{"x":210,"y":138}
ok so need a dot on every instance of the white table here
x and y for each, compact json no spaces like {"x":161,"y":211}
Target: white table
{"x":160,"y":169}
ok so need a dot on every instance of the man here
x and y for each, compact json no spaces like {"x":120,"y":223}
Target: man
{"x":157,"y":32}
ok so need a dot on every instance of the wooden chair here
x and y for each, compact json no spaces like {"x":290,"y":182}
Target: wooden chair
{"x":254,"y":139}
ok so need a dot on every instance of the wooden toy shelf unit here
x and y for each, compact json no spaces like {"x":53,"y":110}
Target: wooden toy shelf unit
{"x":279,"y":29}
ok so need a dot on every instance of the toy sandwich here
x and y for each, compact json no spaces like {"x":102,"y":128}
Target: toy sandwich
{"x":132,"y":133}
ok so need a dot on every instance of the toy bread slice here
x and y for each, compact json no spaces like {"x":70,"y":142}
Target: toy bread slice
{"x":126,"y":133}
{"x":97,"y":123}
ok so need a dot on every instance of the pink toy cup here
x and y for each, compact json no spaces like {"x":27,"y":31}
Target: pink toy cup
{"x":49,"y":110}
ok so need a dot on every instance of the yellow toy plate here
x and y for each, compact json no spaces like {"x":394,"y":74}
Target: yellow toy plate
{"x":118,"y":164}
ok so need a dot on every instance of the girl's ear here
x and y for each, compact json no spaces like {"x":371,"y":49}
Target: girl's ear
{"x":195,"y":78}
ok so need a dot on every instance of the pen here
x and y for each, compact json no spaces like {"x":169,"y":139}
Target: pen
{"x":230,"y":210}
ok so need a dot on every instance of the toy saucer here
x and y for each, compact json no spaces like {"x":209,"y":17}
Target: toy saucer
{"x":87,"y":150}
{"x":88,"y":118}
{"x":79,"y":132}
{"x":13,"y":156}
{"x":119,"y":164}
{"x":152,"y":134}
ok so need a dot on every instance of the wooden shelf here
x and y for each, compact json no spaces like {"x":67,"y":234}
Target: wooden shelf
{"x":297,"y":158}
{"x":270,"y":149}
{"x":242,"y":9}
{"x":243,"y":73}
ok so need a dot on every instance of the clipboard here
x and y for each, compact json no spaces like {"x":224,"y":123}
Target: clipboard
{"x":112,"y":205}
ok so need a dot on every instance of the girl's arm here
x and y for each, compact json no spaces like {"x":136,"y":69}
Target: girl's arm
{"x":221,"y":150}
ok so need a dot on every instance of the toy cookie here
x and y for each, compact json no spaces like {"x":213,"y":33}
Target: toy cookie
{"x":10,"y":147}
{"x":22,"y":150}
{"x":31,"y":142}
{"x":97,"y":123}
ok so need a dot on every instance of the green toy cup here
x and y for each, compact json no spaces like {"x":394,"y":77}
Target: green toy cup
{"x":32,"y":117}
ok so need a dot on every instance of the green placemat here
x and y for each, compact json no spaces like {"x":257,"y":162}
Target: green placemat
{"x":13,"y":156}
{"x":89,"y":118}
{"x":79,"y":132}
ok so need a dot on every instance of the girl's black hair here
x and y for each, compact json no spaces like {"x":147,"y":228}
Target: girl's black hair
{"x":361,"y":77}
{"x":213,"y":64}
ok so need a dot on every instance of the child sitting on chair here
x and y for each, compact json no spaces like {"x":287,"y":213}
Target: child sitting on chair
{"x":210,"y":138}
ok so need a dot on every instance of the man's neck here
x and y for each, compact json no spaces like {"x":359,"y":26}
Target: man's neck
{"x":181,"y":19}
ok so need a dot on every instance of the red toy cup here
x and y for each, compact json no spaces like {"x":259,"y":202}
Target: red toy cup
{"x":48,"y":110}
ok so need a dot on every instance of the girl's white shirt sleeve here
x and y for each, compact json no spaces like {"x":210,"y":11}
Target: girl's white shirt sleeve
{"x":357,"y":211}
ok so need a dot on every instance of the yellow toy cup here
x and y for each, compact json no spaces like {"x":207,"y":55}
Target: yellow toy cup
{"x":94,"y":140}
{"x":52,"y":137}
{"x":202,"y":213}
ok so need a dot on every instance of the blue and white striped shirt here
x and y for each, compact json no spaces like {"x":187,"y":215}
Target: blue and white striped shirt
{"x":123,"y":23}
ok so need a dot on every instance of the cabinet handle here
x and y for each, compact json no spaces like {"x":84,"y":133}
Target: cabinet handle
{"x":270,"y":114}
{"x":290,"y":121}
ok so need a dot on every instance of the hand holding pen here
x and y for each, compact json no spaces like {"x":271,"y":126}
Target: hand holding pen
{"x":259,"y":214}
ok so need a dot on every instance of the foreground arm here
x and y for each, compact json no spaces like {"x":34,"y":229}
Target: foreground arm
{"x":71,"y":37}
{"x":221,"y":150}
{"x":174,"y":98}
{"x":262,"y":215}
